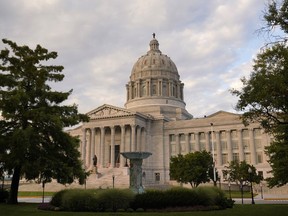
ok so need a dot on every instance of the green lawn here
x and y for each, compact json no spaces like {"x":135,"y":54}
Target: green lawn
{"x":34,"y":193}
{"x":238,"y":210}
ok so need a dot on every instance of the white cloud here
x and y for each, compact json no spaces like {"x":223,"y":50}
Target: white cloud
{"x":212,"y":43}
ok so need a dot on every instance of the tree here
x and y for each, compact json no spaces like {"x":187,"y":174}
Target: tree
{"x":192,"y":168}
{"x":238,"y":172}
{"x":264,"y":96}
{"x":276,"y":17}
{"x":33,"y":143}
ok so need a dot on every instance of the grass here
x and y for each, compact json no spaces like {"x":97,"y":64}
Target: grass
{"x":237,"y":194}
{"x":34,"y":193}
{"x":238,"y":210}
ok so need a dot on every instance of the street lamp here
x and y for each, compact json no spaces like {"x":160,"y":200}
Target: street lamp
{"x":213,"y":156}
{"x":251,"y":188}
{"x":229,"y":185}
{"x":261,"y":189}
{"x":113,"y":180}
{"x":241,"y":188}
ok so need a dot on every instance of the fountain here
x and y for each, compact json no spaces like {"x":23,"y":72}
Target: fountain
{"x":136,"y":159}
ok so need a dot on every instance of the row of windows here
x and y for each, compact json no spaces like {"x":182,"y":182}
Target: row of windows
{"x":223,"y":135}
{"x":223,"y":144}
{"x":224,"y":156}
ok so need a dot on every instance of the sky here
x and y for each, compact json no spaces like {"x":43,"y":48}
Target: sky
{"x":212,"y":43}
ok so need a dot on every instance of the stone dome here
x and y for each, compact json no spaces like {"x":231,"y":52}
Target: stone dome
{"x":154,"y":64}
{"x":155,"y":85}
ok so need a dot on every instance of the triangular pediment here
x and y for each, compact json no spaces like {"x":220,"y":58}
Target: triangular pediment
{"x":108,"y":111}
{"x":224,"y":114}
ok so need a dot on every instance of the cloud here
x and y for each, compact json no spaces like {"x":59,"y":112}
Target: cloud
{"x":212,"y":43}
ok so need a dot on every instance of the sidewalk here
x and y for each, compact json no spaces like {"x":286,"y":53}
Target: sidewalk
{"x":272,"y":196}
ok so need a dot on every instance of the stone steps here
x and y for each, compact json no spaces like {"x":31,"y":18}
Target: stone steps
{"x":103,"y":179}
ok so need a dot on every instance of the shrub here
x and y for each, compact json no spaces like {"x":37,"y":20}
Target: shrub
{"x":115,"y":198}
{"x":211,"y":197}
{"x":93,"y":200}
{"x":79,"y":200}
{"x":57,"y":198}
{"x":149,"y":199}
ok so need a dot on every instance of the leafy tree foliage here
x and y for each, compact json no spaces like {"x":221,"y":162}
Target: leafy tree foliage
{"x":276,"y":17}
{"x":238,"y":172}
{"x":264,"y":96}
{"x":192,"y":168}
{"x":33,"y":144}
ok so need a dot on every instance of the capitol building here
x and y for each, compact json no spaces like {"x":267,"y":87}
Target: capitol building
{"x":154,"y":119}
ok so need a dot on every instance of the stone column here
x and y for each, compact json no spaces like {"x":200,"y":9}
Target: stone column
{"x":84,"y":147}
{"x":138,"y":89}
{"x":150,"y":87}
{"x":130,"y":91}
{"x":102,"y":146}
{"x":138,"y":142}
{"x":133,"y":141}
{"x":241,"y":148}
{"x":112,"y":146}
{"x":182,"y":92}
{"x":88,"y":150}
{"x":160,"y":87}
{"x":207,"y":142}
{"x":187,"y":143}
{"x":178,"y":90}
{"x":219,"y":151}
{"x":252,"y":146}
{"x":143,"y":140}
{"x":197,"y":142}
{"x":177,"y":144}
{"x":122,"y":145}
{"x":92,"y":146}
{"x":169,"y":89}
{"x":229,"y":145}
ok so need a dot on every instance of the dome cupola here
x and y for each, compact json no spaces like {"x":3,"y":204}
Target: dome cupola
{"x":154,"y":83}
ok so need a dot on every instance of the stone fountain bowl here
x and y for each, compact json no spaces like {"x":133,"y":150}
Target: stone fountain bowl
{"x":136,"y":155}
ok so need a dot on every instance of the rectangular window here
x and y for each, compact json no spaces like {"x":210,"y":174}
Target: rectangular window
{"x":257,"y":132}
{"x":172,"y":138}
{"x":183,"y":148}
{"x":202,"y":146}
{"x":258,"y":143}
{"x":259,"y":157}
{"x":236,"y":157}
{"x":214,"y":144}
{"x":157,"y":177}
{"x":247,"y":157}
{"x":173,"y":149}
{"x":246,"y":144}
{"x":192,"y":137}
{"x":260,"y":173}
{"x":222,"y":134}
{"x":224,"y":158}
{"x":224,"y":145}
{"x":245,"y":133}
{"x":192,"y":146}
{"x":234,"y":134}
{"x":235,"y":144}
{"x":182,"y":137}
{"x":202,"y":136}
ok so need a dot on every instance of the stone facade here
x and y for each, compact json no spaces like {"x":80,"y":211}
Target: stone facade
{"x":155,"y":120}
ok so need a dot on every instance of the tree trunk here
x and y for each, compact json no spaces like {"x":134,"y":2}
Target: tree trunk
{"x":14,"y":186}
